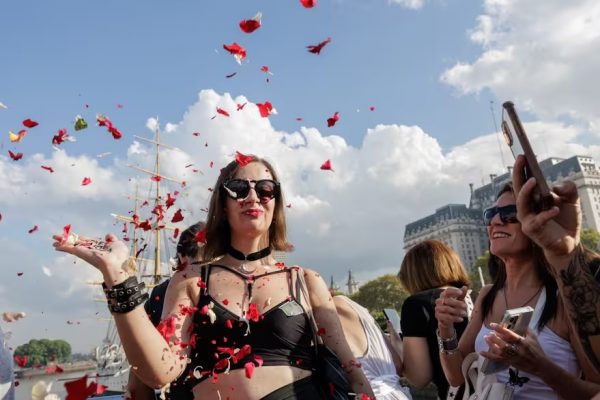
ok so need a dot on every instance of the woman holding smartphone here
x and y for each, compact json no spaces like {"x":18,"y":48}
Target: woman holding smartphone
{"x":427,"y":269}
{"x":521,"y":280}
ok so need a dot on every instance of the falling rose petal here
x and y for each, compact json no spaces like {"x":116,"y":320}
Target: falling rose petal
{"x":177,"y":217}
{"x":238,"y":52}
{"x":211,"y":164}
{"x":249,"y":368}
{"x":103,"y":120}
{"x":250,"y":25}
{"x":265,"y":109}
{"x":86,"y":181}
{"x":326,"y":166}
{"x":241,"y":106}
{"x":79,"y":389}
{"x":266,"y":70}
{"x":222,"y":112}
{"x":298,"y":119}
{"x":15,"y":156}
{"x":155,"y":178}
{"x":119,"y":105}
{"x":18,"y":137}
{"x":243,"y":159}
{"x":200,"y":236}
{"x":332,"y":121}
{"x":21,"y":361}
{"x":60,"y":137}
{"x":196,"y":133}
{"x":34,"y":229}
{"x":29,"y":123}
{"x":47,"y":168}
{"x":316,"y":49}
{"x":231,"y":75}
{"x":289,"y":205}
{"x":170,"y":201}
{"x":308,"y":3}
{"x":176,"y":233}
{"x":19,"y":274}
{"x":225,"y":301}
{"x":372,"y":108}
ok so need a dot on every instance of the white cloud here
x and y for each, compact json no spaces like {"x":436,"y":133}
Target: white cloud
{"x":352,"y":218}
{"x":411,"y":4}
{"x":545,"y":55}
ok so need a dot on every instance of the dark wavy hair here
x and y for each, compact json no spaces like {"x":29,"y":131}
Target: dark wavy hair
{"x":498,"y":273}
{"x":218,"y":232}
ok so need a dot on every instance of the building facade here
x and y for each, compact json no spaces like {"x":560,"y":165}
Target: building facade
{"x":454,"y":224}
{"x":461,"y":227}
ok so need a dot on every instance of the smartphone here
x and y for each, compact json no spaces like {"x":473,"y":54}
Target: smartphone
{"x":392,"y":316}
{"x":516,"y":320}
{"x":517,"y":140}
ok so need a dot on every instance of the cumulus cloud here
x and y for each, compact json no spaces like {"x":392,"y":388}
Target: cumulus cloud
{"x":352,"y":218}
{"x":545,"y":55}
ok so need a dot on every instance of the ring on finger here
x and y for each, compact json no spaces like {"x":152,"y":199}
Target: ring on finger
{"x":512,"y":349}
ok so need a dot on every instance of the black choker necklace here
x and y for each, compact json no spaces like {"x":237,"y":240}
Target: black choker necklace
{"x":238,"y":255}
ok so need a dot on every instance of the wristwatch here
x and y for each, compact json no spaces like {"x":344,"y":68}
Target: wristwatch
{"x":447,"y":346}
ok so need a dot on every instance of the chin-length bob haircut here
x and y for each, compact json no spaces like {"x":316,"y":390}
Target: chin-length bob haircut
{"x":218,"y":232}
{"x":431,"y":264}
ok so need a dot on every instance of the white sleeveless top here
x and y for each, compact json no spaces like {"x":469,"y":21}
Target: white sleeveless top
{"x":377,"y":363}
{"x":7,"y":386}
{"x":558,"y":350}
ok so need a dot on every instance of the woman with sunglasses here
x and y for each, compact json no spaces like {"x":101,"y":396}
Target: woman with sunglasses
{"x":542,"y":363}
{"x":236,"y":327}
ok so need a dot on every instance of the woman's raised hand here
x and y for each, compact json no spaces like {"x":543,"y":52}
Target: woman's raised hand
{"x":450,"y":308}
{"x":555,"y":230}
{"x":109,"y":256}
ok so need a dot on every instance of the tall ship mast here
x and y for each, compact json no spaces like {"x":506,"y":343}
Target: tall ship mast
{"x":148,"y":237}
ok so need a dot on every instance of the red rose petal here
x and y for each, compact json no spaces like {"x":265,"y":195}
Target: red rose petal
{"x":15,"y":156}
{"x":86,"y":181}
{"x":332,"y":121}
{"x":29,"y":123}
{"x":308,"y":3}
{"x":316,"y":49}
{"x":243,"y":159}
{"x":327,"y":166}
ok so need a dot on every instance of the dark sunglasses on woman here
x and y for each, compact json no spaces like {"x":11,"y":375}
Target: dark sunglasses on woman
{"x":508,"y":214}
{"x":239,"y":189}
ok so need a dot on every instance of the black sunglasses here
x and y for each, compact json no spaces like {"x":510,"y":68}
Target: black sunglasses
{"x":239,"y":189}
{"x":508,"y":214}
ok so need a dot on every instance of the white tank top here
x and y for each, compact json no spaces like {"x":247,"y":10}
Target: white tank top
{"x":558,"y":350}
{"x":377,"y":363}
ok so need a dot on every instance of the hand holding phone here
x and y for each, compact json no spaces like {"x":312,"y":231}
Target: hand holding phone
{"x":392,"y":316}
{"x":517,"y":140}
{"x":516,"y":320}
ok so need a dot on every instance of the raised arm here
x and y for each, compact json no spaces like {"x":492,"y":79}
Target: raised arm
{"x":156,"y":364}
{"x":328,"y":320}
{"x":557,"y":231}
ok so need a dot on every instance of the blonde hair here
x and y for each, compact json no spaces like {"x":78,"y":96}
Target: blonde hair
{"x":431,"y":264}
{"x":218,"y":232}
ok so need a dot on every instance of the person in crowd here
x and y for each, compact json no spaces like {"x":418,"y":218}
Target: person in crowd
{"x":7,"y":378}
{"x":542,"y":364}
{"x":557,"y":231}
{"x":188,"y":249}
{"x":371,"y":349}
{"x":426,"y":270}
{"x":235,"y":327}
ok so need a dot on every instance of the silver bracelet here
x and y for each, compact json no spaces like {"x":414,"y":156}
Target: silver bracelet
{"x":447,"y":346}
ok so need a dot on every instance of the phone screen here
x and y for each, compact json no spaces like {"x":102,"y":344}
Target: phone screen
{"x":393,"y":316}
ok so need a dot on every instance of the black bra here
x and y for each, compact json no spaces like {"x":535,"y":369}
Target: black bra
{"x":281,"y":336}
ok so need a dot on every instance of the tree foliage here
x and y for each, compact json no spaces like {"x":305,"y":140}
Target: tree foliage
{"x":481,"y":262}
{"x":44,"y":351}
{"x":380,"y":293}
{"x":590,"y":238}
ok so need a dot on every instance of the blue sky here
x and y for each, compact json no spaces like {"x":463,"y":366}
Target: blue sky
{"x":430,"y":71}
